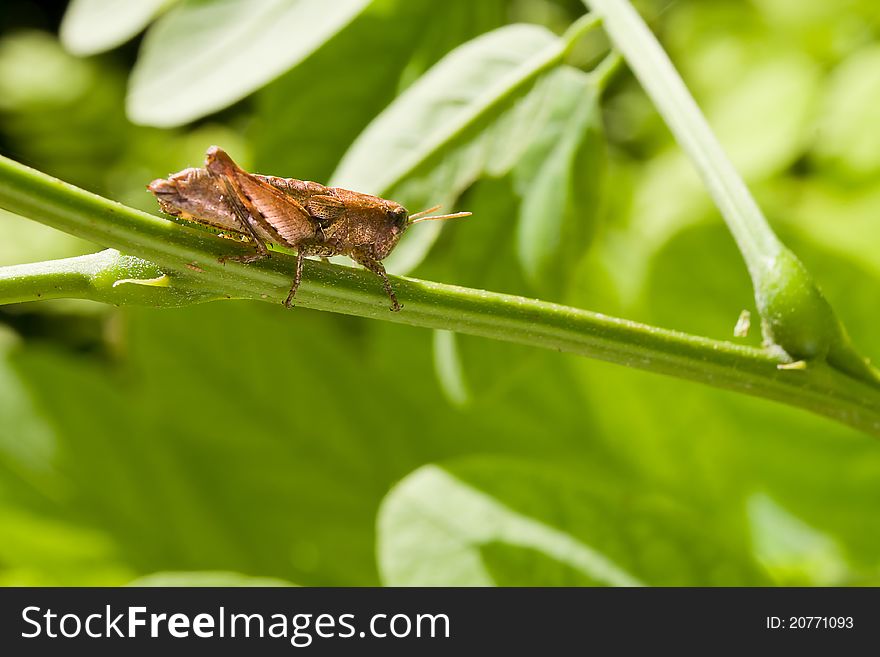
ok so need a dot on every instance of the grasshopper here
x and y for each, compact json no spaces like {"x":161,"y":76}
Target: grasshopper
{"x":308,"y":217}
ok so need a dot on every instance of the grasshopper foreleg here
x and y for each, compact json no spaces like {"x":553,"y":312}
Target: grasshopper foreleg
{"x":369,"y":262}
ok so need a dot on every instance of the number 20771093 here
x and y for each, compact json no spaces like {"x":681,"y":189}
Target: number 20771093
{"x":809,"y":623}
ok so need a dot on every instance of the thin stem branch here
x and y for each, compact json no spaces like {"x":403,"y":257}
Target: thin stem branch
{"x":795,"y":315}
{"x":176,"y":250}
{"x":651,"y":65}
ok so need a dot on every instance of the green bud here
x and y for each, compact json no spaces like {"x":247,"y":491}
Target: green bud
{"x":796,"y":316}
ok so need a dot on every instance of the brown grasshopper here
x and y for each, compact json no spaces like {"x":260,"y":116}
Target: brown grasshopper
{"x":298,"y":214}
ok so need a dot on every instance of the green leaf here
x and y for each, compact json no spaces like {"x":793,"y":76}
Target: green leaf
{"x":560,"y":199}
{"x":432,"y":525}
{"x":204,"y":55}
{"x":467,"y":523}
{"x":353,"y":77}
{"x":472,"y":85}
{"x":348,"y":81}
{"x":205,"y":578}
{"x":514,"y":565}
{"x":93,"y":26}
{"x":452,"y":126}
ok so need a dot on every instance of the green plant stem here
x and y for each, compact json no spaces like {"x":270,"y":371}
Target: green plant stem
{"x":795,"y":315}
{"x":651,"y":65}
{"x":606,"y":69}
{"x":108,"y":277}
{"x":175,"y":249}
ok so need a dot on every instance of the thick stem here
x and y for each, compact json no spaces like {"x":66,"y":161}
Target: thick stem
{"x":175,"y":248}
{"x":108,"y":277}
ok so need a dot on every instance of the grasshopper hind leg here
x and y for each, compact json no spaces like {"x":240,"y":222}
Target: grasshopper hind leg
{"x":303,"y":249}
{"x":300,"y":255}
{"x":247,"y":223}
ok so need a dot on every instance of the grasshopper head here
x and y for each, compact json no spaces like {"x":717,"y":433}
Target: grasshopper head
{"x":396,"y":222}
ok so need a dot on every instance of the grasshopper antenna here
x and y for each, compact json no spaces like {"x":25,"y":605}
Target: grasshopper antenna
{"x":423,"y":215}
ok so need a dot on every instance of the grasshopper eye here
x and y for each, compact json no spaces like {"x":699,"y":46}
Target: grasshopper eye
{"x":399,"y":218}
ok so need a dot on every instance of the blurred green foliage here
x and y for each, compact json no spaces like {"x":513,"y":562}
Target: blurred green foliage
{"x":236,"y":440}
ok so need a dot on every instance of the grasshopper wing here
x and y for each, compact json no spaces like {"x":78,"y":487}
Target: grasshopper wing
{"x":195,"y":195}
{"x":278,"y":216}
